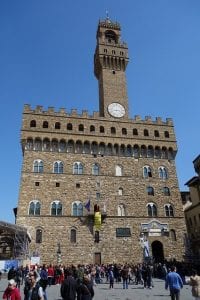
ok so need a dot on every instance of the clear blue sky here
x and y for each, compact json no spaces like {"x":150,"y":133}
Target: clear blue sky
{"x":46,"y":58}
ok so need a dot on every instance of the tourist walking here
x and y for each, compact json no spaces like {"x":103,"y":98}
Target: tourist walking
{"x":124,"y":275}
{"x":194,"y":281}
{"x":68,"y":288}
{"x":174,"y":283}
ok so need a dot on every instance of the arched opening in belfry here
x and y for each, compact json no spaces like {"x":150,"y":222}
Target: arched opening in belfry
{"x":157,"y":251}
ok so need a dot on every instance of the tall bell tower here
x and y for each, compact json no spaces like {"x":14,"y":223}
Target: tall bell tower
{"x":110,"y":61}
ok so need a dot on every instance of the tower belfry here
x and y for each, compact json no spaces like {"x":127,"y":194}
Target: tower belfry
{"x":110,"y":61}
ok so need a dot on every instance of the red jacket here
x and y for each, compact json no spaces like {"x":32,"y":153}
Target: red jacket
{"x":12,"y":294}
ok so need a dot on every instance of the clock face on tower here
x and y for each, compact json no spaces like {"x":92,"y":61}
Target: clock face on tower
{"x":116,"y":110}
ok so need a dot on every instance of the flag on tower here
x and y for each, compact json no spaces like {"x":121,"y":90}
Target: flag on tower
{"x":87,"y":205}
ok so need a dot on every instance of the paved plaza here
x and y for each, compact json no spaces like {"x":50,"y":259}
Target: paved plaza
{"x":102,"y":292}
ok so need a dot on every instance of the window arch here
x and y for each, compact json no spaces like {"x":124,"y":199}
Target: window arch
{"x":58,"y":167}
{"x":81,"y":127}
{"x":92,"y":128}
{"x":86,"y":147}
{"x":166,"y":133}
{"x":162,"y":172}
{"x":70,"y":146}
{"x":164,"y":152}
{"x":38,"y":144}
{"x":143,"y":151}
{"x":45,"y":124}
{"x":38,"y":166}
{"x":157,"y":152}
{"x":38,"y":236}
{"x":152,"y":210}
{"x":77,"y":168}
{"x":94,"y":148}
{"x":156,"y":133}
{"x":62,"y":145}
{"x":46,"y":144}
{"x":135,"y":131}
{"x":73,"y":235}
{"x":120,"y":191}
{"x":150,"y":191}
{"x":150,"y":152}
{"x":77,"y":208}
{"x":113,"y":130}
{"x":147,"y":172}
{"x":169,"y":211}
{"x":79,"y":147}
{"x":172,"y":234}
{"x":166,"y":191}
{"x":56,"y":208}
{"x":29,"y":144}
{"x":102,"y":148}
{"x":69,"y":126}
{"x":124,"y":131}
{"x":146,"y":132}
{"x":57,"y":125}
{"x":118,"y":170}
{"x":121,"y":210}
{"x":34,"y":208}
{"x":54,"y":145}
{"x":95,"y":169}
{"x":32,"y":123}
{"x":136,"y":151}
{"x":101,"y":129}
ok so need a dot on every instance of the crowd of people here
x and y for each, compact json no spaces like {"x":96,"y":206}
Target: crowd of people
{"x":77,"y":282}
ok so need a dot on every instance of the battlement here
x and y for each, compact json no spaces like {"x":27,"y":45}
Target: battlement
{"x":95,"y":115}
{"x":109,"y":24}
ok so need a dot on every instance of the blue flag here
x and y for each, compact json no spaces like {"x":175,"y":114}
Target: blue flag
{"x":87,"y":205}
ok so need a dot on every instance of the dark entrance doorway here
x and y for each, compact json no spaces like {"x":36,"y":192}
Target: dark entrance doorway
{"x":157,"y":251}
{"x":97,"y":258}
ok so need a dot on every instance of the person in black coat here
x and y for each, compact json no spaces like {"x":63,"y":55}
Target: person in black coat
{"x":68,"y":288}
{"x":86,"y":291}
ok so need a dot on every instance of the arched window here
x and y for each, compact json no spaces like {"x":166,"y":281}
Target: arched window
{"x":95,"y":169}
{"x":166,"y":133}
{"x":121,"y":210}
{"x":94,"y":148}
{"x":70,"y":146}
{"x":164,"y":152}
{"x":57,"y":125}
{"x":54,"y":145}
{"x":56,"y":208}
{"x":113,"y":130}
{"x":38,"y":166}
{"x":172,"y":234}
{"x":79,"y":147}
{"x":150,"y":191}
{"x":116,"y":149}
{"x":129,"y":150}
{"x":62,"y":146}
{"x":45,"y":124}
{"x":146,"y":132}
{"x":169,"y":212}
{"x":38,"y":236}
{"x":77,"y":168}
{"x":58,"y":167}
{"x":34,"y":208}
{"x":171,"y":153}
{"x":152,"y":210}
{"x":102,"y":148}
{"x":46,"y":144}
{"x":162,"y":172}
{"x":120,"y":191}
{"x":73,"y":235}
{"x":38,"y":144}
{"x":92,"y":128}
{"x":156,"y":133}
{"x":157,"y":152}
{"x":69,"y":126}
{"x":135,"y":131}
{"x":143,"y":151}
{"x":124,"y":131}
{"x":77,"y":208}
{"x":109,"y":149}
{"x":166,"y":191}
{"x":29,"y":144}
{"x":150,"y":152}
{"x":32,"y":123}
{"x":86,"y":147}
{"x":80,"y":127}
{"x":147,"y":172}
{"x":101,"y":129}
{"x":118,"y":171}
{"x":136,"y":151}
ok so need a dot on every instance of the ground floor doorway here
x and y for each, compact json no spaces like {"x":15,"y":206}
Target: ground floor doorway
{"x":157,"y":251}
{"x":97,"y":258}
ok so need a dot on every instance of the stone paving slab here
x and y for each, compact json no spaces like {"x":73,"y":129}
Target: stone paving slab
{"x":102,"y":292}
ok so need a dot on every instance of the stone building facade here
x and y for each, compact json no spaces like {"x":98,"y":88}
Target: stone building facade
{"x":124,"y":168}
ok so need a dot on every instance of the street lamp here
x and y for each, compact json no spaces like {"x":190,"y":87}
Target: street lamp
{"x":59,"y":260}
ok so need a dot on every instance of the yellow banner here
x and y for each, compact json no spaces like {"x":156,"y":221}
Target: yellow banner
{"x":97,"y":220}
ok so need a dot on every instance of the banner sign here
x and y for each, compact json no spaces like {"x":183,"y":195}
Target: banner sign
{"x":97,"y":221}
